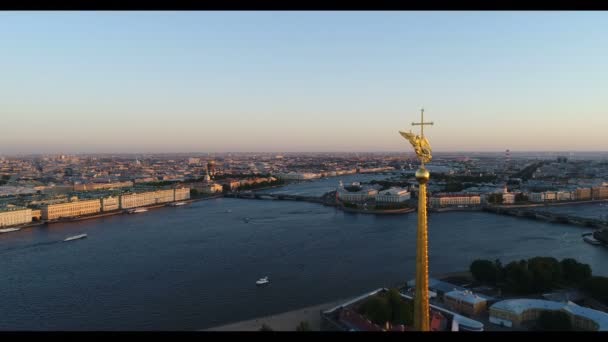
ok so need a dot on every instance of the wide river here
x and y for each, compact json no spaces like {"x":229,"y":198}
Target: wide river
{"x":195,"y":267}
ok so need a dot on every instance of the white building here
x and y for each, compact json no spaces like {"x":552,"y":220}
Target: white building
{"x":356,"y":196}
{"x":536,"y":197}
{"x":393,"y":195}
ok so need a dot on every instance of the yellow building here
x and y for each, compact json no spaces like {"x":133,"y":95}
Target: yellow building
{"x":600,"y":192}
{"x":100,"y":186}
{"x":182,"y":194}
{"x":11,"y":217}
{"x":146,"y":198}
{"x":36,"y":214}
{"x":110,"y":203}
{"x":582,"y":194}
{"x":70,"y":209}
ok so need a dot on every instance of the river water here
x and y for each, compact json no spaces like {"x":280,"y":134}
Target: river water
{"x":194,"y":267}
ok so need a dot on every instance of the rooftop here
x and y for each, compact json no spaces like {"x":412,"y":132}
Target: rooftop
{"x":518,"y":306}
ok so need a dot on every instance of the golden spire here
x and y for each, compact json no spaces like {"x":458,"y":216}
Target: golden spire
{"x":421,"y":297}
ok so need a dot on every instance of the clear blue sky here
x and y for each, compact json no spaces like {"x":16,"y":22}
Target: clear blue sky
{"x":301,"y":81}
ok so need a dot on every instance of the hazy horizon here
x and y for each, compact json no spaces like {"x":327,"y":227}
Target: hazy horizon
{"x":160,"y":82}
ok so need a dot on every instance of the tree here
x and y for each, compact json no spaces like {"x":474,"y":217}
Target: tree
{"x":553,"y":321}
{"x":574,"y":272}
{"x":546,"y":273}
{"x":303,"y":326}
{"x":597,"y":287}
{"x":484,"y":271}
{"x":377,"y":309}
{"x":265,"y":328}
{"x":520,"y":197}
{"x":518,"y":278}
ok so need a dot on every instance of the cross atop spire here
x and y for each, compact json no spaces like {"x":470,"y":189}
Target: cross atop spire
{"x":422,"y":123}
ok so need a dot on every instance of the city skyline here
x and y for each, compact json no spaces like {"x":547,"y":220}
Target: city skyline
{"x":305,"y":82}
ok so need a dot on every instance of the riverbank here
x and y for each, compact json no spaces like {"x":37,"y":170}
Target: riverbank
{"x":288,"y":321}
{"x":105,"y":214}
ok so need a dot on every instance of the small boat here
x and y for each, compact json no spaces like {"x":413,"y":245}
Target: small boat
{"x":137,"y":210}
{"x":76,"y":237}
{"x":176,"y":204}
{"x":228,"y":210}
{"x":8,"y":230}
{"x":262,"y":281}
{"x":591,"y":240}
{"x":246,"y":219}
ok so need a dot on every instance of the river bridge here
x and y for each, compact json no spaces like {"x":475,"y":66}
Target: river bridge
{"x":537,"y":214}
{"x":281,"y":197}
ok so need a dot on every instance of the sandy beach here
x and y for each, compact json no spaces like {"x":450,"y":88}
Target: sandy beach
{"x":287,"y":321}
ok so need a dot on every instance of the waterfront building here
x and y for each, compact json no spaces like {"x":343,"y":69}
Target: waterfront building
{"x":110,"y":203}
{"x":15,"y":216}
{"x":550,"y":195}
{"x":514,"y":312}
{"x":181,"y":194}
{"x":357,"y":196}
{"x":71,"y":209}
{"x":536,"y":197}
{"x":100,"y":186}
{"x":135,"y":200}
{"x":393,"y":195}
{"x":465,"y":302}
{"x":599,"y":192}
{"x":508,"y":198}
{"x":564,"y":196}
{"x":447,"y":200}
{"x":36,"y":214}
{"x":582,"y":194}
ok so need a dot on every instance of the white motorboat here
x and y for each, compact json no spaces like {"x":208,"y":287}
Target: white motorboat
{"x":591,"y":240}
{"x":76,"y":237}
{"x":176,"y":204}
{"x":262,"y":281}
{"x":8,"y":230}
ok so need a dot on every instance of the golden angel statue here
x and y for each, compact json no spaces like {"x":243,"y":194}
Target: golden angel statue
{"x":421,"y":146}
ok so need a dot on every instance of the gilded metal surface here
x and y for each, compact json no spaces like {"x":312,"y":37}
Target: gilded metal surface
{"x":421,"y":297}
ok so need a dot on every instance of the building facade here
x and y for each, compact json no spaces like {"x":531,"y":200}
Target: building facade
{"x":101,"y":186}
{"x":393,"y":195}
{"x":465,"y":302}
{"x":135,"y":200}
{"x":448,"y":200}
{"x":71,"y":209}
{"x":181,"y":194}
{"x":110,"y":203}
{"x":515,"y":312}
{"x":11,"y":217}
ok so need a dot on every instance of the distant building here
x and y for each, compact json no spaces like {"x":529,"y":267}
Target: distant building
{"x":11,"y":217}
{"x":357,"y":196}
{"x":70,"y":209}
{"x":582,"y":194}
{"x":600,"y":192}
{"x":393,"y":195}
{"x":447,"y":200}
{"x":100,"y":186}
{"x":194,"y":161}
{"x":110,"y":203}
